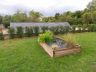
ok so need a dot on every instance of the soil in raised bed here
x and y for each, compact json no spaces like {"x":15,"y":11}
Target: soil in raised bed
{"x":59,"y":42}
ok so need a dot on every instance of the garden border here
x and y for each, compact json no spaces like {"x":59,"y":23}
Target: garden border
{"x":60,"y":52}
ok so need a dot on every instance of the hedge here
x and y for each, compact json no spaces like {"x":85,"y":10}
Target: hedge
{"x":19,"y":32}
{"x":11,"y":33}
{"x":1,"y":36}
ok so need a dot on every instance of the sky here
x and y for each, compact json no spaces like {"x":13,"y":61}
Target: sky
{"x":46,"y":7}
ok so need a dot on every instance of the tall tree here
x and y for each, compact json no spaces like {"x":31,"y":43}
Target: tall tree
{"x":57,"y":15}
{"x":34,"y":16}
{"x":92,"y":5}
{"x":19,"y":17}
{"x":78,"y":14}
{"x":87,"y":17}
{"x":94,"y":17}
{"x":6,"y":20}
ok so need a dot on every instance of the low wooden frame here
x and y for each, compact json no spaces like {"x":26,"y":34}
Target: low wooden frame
{"x":60,"y":52}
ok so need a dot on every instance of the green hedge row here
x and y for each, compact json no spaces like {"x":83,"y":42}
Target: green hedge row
{"x":84,"y":28}
{"x":20,"y":32}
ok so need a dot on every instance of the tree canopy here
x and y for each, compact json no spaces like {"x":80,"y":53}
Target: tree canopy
{"x":92,"y":5}
{"x":86,"y":16}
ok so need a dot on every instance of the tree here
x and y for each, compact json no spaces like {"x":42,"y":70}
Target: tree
{"x":94,"y":17}
{"x":49,"y":19}
{"x":87,"y":17}
{"x":6,"y":20}
{"x":67,"y":17}
{"x":78,"y":14}
{"x":57,"y":15}
{"x":19,"y":17}
{"x":45,"y":19}
{"x":92,"y":5}
{"x":34,"y":16}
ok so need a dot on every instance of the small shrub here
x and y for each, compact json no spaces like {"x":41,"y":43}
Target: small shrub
{"x":11,"y":33}
{"x":31,"y":31}
{"x":36,"y":30}
{"x":79,"y":29}
{"x":46,"y":37}
{"x":44,"y":28}
{"x":54,"y":30}
{"x":67,"y":29}
{"x":59,"y":29}
{"x":73,"y":28}
{"x":1,"y":36}
{"x":90,"y":27}
{"x":94,"y":28}
{"x":85,"y":28}
{"x":20,"y":32}
{"x":64,"y":29}
{"x":76,"y":29}
{"x":28,"y":32}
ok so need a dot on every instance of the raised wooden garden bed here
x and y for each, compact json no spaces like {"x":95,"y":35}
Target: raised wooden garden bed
{"x":59,"y":51}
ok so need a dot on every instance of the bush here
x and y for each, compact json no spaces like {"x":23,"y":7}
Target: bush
{"x":78,"y":28}
{"x":19,"y":32}
{"x":85,"y":28}
{"x":63,"y":29}
{"x":1,"y":36}
{"x":11,"y":33}
{"x":31,"y":31}
{"x":59,"y":29}
{"x":73,"y":28}
{"x":36,"y":30}
{"x":44,"y":28}
{"x":46,"y":37}
{"x":54,"y":30}
{"x":27,"y":32}
{"x":92,"y":28}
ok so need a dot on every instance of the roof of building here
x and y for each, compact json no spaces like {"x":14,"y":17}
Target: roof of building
{"x":25,"y":24}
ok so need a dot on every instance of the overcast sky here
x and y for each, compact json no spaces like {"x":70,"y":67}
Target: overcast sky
{"x":47,"y":7}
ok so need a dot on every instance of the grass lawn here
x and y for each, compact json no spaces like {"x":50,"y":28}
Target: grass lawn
{"x":25,"y":55}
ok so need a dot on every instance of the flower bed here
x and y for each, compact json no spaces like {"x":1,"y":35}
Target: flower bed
{"x":58,"y":46}
{"x":59,"y":51}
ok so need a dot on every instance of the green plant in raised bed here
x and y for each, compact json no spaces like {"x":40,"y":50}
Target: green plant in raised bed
{"x":70,"y":39}
{"x":46,"y":37}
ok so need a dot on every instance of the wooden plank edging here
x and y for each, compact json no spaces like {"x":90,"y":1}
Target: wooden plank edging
{"x":59,"y":52}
